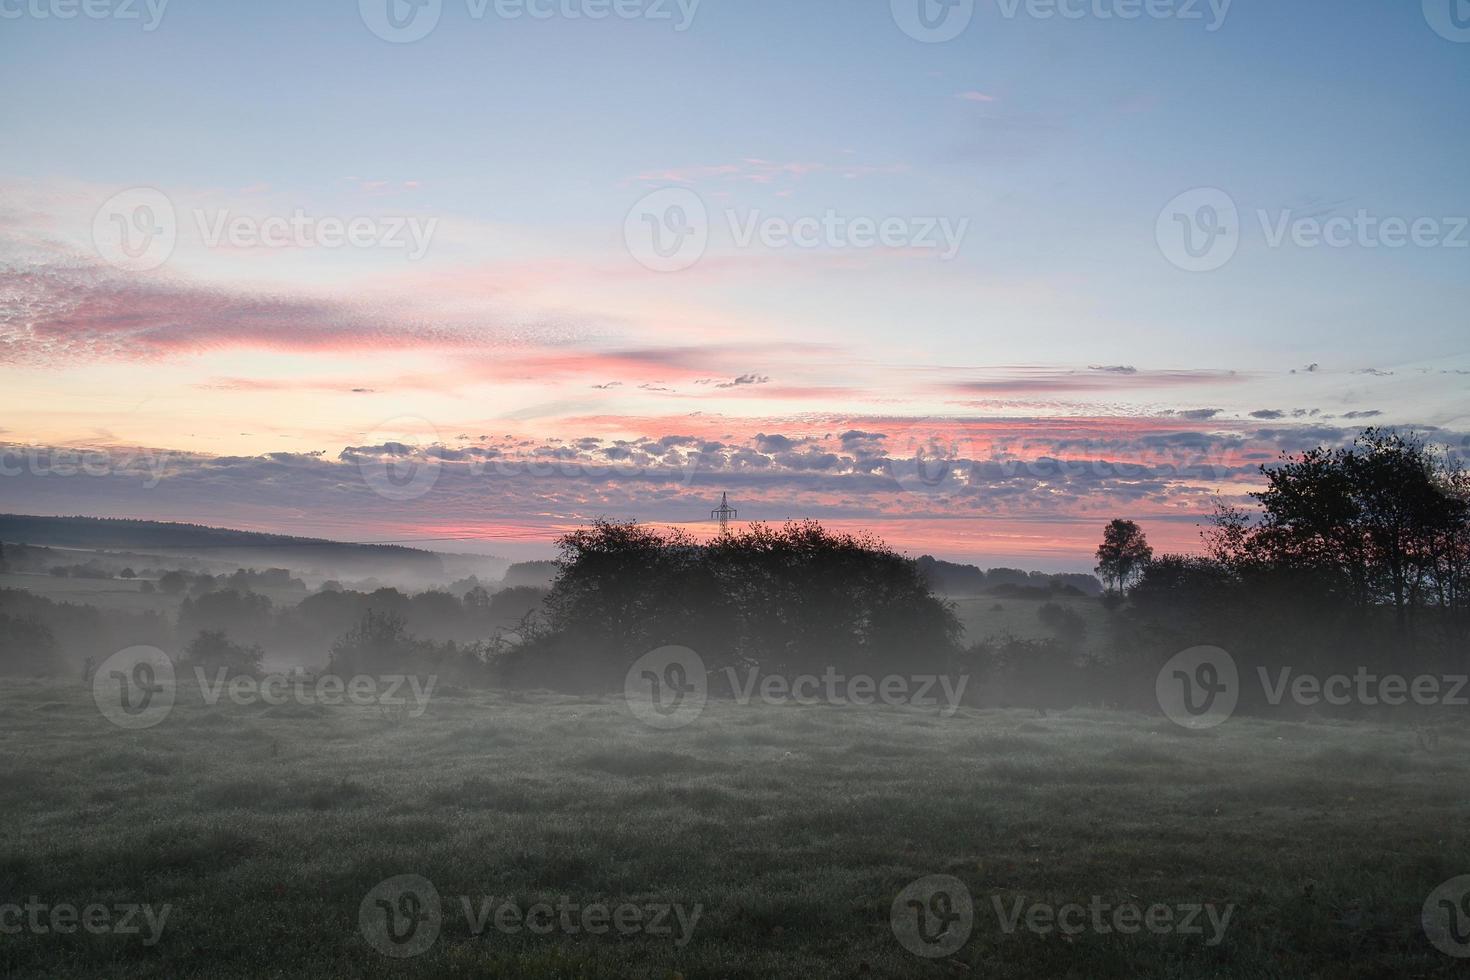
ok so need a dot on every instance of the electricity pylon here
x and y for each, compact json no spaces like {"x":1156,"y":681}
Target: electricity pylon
{"x":724,"y":514}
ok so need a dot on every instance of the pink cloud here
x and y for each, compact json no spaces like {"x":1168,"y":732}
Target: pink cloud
{"x":66,"y":312}
{"x":1035,"y":486}
{"x":75,"y":311}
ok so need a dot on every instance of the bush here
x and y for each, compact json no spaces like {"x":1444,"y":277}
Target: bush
{"x":1066,"y":624}
{"x":213,"y":651}
{"x":27,"y":647}
{"x":378,"y":643}
{"x":173,"y":583}
{"x":796,"y":599}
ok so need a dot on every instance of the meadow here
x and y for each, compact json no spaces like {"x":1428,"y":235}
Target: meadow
{"x":113,"y":593}
{"x":792,"y":827}
{"x":993,"y":617}
{"x":118,"y":593}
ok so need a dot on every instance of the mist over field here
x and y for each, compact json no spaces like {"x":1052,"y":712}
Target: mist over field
{"x":781,"y":751}
{"x":734,"y":489}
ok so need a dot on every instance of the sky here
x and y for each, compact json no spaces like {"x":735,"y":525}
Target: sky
{"x":976,"y":276}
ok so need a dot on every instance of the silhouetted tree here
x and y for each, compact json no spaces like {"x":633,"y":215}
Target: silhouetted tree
{"x":1382,"y":523}
{"x":789,"y":599}
{"x":805,"y":597}
{"x":625,"y":587}
{"x":1122,"y":555}
{"x":1356,"y":555}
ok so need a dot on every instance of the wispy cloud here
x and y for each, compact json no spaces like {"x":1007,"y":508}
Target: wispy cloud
{"x":1022,"y":380}
{"x":755,"y":170}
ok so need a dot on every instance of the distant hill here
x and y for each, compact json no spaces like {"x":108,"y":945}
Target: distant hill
{"x":121,"y":534}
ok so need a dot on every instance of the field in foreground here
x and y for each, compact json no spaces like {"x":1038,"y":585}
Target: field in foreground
{"x":264,"y":828}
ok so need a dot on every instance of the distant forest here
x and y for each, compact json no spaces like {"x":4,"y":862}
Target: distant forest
{"x":951,"y":579}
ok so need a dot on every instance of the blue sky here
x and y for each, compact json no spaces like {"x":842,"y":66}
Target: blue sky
{"x":543,"y":123}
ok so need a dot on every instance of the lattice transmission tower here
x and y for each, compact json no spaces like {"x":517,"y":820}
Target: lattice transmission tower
{"x":724,"y":513}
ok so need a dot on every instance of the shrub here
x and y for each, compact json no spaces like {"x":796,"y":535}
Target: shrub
{"x":794,"y":599}
{"x":379,"y":642}
{"x":213,"y":651}
{"x":27,"y":646}
{"x":1066,"y":624}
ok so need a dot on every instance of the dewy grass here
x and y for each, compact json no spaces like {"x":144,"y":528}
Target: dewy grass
{"x":793,"y":830}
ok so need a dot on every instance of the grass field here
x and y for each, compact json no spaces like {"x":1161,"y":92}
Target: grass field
{"x":990,"y":617}
{"x":794,"y":828}
{"x":117,"y":593}
{"x":102,"y":593}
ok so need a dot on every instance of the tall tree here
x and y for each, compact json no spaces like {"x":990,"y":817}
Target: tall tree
{"x":1122,"y":555}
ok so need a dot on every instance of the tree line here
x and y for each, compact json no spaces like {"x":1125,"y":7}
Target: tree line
{"x":1356,"y":556}
{"x":241,"y":629}
{"x":1350,"y":556}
